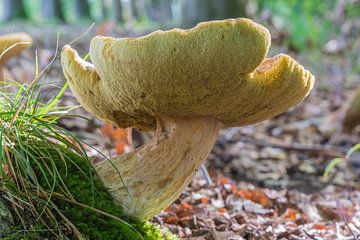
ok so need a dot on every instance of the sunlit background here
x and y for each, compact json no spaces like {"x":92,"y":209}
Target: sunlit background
{"x":300,"y":24}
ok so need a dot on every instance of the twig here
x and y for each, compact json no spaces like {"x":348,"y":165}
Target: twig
{"x":77,"y":233}
{"x":276,"y":143}
{"x":98,"y":211}
{"x":206,"y":175}
{"x":338,"y":232}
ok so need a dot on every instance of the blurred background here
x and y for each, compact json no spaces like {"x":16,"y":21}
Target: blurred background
{"x":304,"y":150}
{"x":298,"y":24}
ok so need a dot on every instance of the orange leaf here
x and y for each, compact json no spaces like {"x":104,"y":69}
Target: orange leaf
{"x":224,"y":180}
{"x":171,"y":219}
{"x":319,"y":226}
{"x":107,"y":130}
{"x":291,"y":214}
{"x":204,"y":200}
{"x":222,"y":210}
{"x":185,"y":210}
{"x":119,"y":134}
{"x":185,"y":206}
{"x":172,"y":208}
{"x":120,"y":148}
{"x":234,"y":189}
{"x":259,"y":196}
{"x":116,"y":134}
{"x":245,"y":193}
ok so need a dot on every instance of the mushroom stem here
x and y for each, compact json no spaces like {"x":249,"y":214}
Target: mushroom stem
{"x":156,"y":173}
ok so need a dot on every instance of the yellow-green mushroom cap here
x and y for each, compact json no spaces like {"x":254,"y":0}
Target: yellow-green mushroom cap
{"x":216,"y":69}
{"x":13,"y":44}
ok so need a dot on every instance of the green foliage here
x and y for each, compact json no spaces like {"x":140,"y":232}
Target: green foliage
{"x":24,"y":120}
{"x":46,"y":174}
{"x":33,"y":9}
{"x":307,"y":22}
{"x":334,"y":162}
{"x":352,"y":150}
{"x":330,"y":167}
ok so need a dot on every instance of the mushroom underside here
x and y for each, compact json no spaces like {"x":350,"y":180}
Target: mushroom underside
{"x":151,"y":177}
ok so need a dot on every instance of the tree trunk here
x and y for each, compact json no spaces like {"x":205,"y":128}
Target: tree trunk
{"x":51,"y":9}
{"x":118,"y":14}
{"x":134,"y":9}
{"x":13,"y":9}
{"x":82,"y":9}
{"x":105,"y":13}
{"x":138,"y":9}
{"x":195,"y":11}
{"x":160,"y":10}
{"x":228,"y":9}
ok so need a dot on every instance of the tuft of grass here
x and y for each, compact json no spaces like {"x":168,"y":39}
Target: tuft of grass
{"x":47,"y":177}
{"x":26,"y":118}
{"x":336,"y":161}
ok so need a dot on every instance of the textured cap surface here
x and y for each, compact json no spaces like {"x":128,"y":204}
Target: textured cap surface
{"x":12,"y":44}
{"x":216,"y":69}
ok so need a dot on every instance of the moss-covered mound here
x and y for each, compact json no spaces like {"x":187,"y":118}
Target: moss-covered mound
{"x":91,"y":211}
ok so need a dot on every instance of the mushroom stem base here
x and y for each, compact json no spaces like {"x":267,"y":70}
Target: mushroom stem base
{"x":156,"y":173}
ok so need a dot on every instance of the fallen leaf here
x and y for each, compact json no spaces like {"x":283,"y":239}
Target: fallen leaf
{"x":204,"y":200}
{"x":120,"y":148}
{"x":222,"y":210}
{"x":247,"y":194}
{"x":224,"y":180}
{"x":119,"y":134}
{"x":259,"y":196}
{"x":291,"y":214}
{"x":319,"y":226}
{"x":171,"y":219}
{"x":346,"y":214}
{"x":185,"y":206}
{"x":107,"y":130}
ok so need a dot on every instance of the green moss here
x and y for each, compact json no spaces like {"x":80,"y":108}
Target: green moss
{"x":35,"y":232}
{"x":77,"y":175}
{"x":91,"y":192}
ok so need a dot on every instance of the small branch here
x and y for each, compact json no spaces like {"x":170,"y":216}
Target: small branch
{"x":276,"y":143}
{"x":206,"y":175}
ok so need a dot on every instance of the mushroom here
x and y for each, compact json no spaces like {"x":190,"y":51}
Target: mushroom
{"x":12,"y":45}
{"x":185,"y":85}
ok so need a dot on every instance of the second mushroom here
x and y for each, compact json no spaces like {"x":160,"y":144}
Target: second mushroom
{"x":185,"y":85}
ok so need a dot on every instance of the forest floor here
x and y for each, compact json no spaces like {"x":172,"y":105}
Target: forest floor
{"x":268,"y":179}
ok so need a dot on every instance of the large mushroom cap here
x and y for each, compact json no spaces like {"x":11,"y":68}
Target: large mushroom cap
{"x":187,"y":84}
{"x":216,"y":69}
{"x":12,"y":44}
